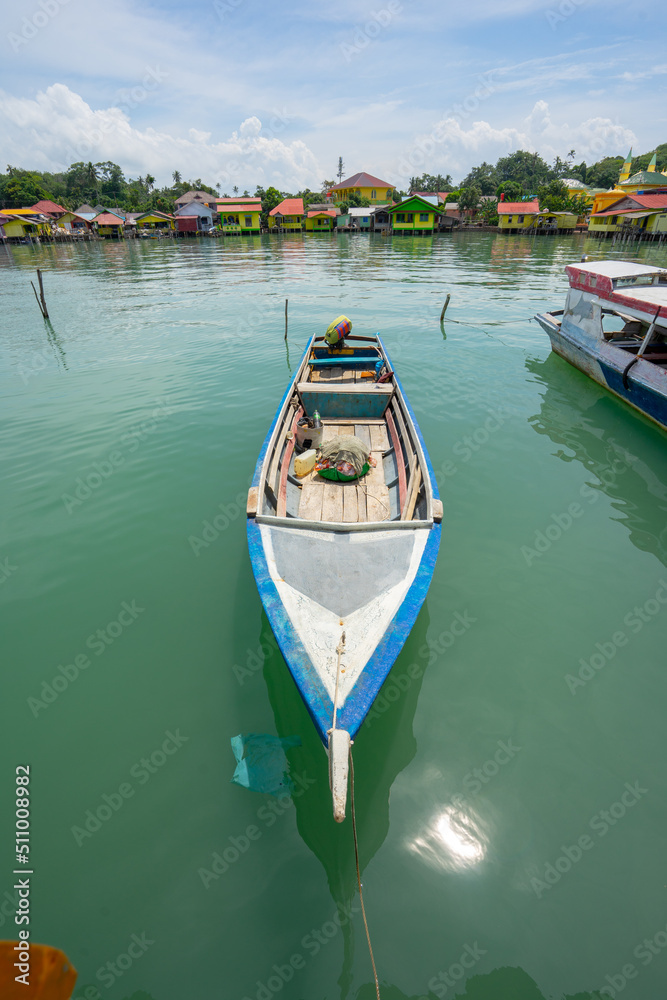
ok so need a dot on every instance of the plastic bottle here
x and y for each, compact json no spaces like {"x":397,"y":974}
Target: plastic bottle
{"x":317,"y":420}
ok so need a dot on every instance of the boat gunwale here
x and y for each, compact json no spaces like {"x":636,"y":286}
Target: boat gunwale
{"x":271,"y":442}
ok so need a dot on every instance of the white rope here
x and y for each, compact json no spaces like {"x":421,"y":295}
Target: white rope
{"x":339,"y":649}
{"x":356,"y":858}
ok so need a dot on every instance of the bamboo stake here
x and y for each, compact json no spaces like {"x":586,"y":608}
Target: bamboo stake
{"x":285,"y":319}
{"x":41,"y":301}
{"x":444,"y":308}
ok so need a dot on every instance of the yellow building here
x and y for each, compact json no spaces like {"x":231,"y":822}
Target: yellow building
{"x":517,"y":216}
{"x":32,"y":223}
{"x":365,"y":186}
{"x":604,"y":222}
{"x":287,"y":216}
{"x":239,"y":215}
{"x":321,"y":221}
{"x":155,"y":220}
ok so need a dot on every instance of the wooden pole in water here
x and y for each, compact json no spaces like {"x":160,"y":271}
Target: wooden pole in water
{"x":285,"y":319}
{"x":444,"y":308}
{"x":41,"y":301}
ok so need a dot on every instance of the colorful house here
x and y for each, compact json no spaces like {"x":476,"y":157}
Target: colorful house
{"x":34,"y":223}
{"x":200,"y":197}
{"x":287,"y":217}
{"x":358,"y":219}
{"x":517,"y":216}
{"x":109,"y":225}
{"x":321,"y":220}
{"x":154,"y":220}
{"x":640,"y":212}
{"x":17,"y":227}
{"x":239,"y":216}
{"x":414,"y":215}
{"x":202,"y":214}
{"x":365,"y":185}
{"x":72,"y":222}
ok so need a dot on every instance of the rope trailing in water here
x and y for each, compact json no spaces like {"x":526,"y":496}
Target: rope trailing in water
{"x":356,"y":858}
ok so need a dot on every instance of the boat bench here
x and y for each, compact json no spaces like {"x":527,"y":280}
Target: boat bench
{"x":355,"y":399}
{"x":346,"y":361}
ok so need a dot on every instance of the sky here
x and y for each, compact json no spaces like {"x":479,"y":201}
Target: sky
{"x":251,"y":92}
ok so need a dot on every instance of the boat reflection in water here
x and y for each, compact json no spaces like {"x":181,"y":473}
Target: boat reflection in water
{"x":622,"y":450}
{"x":455,"y":840}
{"x":384,"y":746}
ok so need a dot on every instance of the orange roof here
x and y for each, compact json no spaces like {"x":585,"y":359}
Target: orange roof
{"x":362,"y":180}
{"x":522,"y":207}
{"x":325,"y":211}
{"x":237,"y":207}
{"x":290,"y":206}
{"x":107,"y":219}
{"x":237,"y":200}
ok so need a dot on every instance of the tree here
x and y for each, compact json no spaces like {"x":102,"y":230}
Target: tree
{"x":21,"y":189}
{"x":270,"y":199}
{"x":176,"y":177}
{"x":604,"y":173}
{"x":431,"y":183}
{"x":235,"y":189}
{"x":511,"y":189}
{"x":469,"y":199}
{"x":488,"y":211}
{"x":341,"y":169}
{"x":484,"y":176}
{"x":553,"y":196}
{"x":149,"y":181}
{"x":527,"y":169}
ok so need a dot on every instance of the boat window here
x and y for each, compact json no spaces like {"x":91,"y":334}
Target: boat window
{"x":592,"y":280}
{"x":637,"y":279}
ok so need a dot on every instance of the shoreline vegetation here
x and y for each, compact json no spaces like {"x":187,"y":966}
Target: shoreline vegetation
{"x":518,"y":176}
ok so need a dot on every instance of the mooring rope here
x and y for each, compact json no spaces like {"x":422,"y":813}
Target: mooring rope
{"x":339,"y":649}
{"x":356,"y":858}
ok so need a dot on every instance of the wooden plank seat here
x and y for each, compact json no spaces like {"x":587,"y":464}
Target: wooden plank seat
{"x":366,"y":499}
{"x":350,"y":361}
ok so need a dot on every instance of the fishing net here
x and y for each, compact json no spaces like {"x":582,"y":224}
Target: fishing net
{"x":344,"y":458}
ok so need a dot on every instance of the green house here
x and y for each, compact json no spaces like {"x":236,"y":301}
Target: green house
{"x":414,"y":215}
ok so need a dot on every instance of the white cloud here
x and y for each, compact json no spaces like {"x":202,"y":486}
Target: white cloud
{"x":452,"y":147}
{"x":58,"y":128}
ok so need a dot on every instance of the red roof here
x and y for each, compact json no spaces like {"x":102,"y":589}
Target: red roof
{"x":654,"y":201}
{"x":107,"y":219}
{"x":238,"y":200}
{"x":362,"y":180}
{"x":48,"y":207}
{"x":324,"y":211}
{"x":522,"y":207}
{"x":290,"y":206}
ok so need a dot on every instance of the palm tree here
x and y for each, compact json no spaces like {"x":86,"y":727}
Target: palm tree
{"x":149,"y":182}
{"x":235,"y":189}
{"x":176,"y":177}
{"x":91,"y":179}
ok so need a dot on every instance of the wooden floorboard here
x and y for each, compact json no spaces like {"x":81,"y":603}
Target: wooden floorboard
{"x":356,"y":502}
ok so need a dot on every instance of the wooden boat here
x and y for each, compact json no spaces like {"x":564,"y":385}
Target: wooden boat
{"x":343,"y":568}
{"x":614,"y":329}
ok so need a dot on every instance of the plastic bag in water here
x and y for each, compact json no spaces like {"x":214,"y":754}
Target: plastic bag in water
{"x":261,"y":762}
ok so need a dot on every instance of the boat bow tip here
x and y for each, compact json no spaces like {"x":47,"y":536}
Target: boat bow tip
{"x":338,"y":752}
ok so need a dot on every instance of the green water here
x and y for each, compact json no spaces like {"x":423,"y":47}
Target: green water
{"x":483,"y":776}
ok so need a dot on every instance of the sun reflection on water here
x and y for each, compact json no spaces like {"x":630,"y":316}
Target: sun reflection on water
{"x":453,"y":841}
